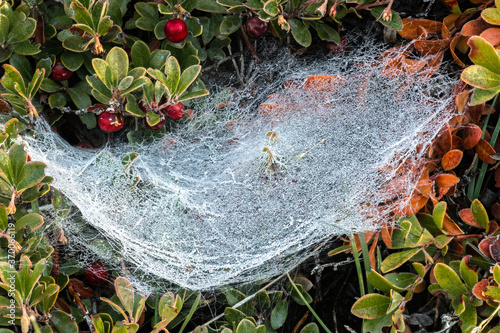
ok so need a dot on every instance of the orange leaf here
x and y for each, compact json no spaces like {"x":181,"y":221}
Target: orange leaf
{"x":410,"y":206}
{"x":446,"y":180}
{"x":424,"y":187}
{"x":450,"y":226}
{"x":432,"y":66}
{"x":471,"y":134}
{"x":386,"y":234}
{"x":492,"y":36}
{"x":431,"y":46}
{"x":448,"y":24}
{"x":321,"y":83}
{"x":442,"y":143}
{"x":484,"y":150}
{"x":454,"y":44}
{"x":486,"y":109}
{"x":461,"y":100}
{"x":410,"y":27}
{"x":451,"y":159}
{"x":467,"y":217}
{"x":456,"y":142}
{"x":480,"y":288}
{"x":413,"y":66}
{"x":371,"y":252}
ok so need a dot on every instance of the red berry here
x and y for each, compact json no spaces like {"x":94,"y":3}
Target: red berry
{"x":334,"y":48}
{"x":175,"y":30}
{"x":256,"y":28}
{"x":96,"y":273}
{"x":110,"y":122}
{"x":59,"y":72}
{"x":175,"y":112}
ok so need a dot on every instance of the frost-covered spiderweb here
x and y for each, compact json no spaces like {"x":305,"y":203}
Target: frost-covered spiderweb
{"x":219,"y":204}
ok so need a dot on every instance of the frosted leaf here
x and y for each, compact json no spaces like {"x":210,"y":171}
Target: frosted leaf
{"x":220,"y":204}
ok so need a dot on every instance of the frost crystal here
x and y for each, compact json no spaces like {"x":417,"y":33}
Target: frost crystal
{"x":220,"y":204}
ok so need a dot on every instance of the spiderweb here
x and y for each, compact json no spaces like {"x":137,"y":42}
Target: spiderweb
{"x":240,"y":193}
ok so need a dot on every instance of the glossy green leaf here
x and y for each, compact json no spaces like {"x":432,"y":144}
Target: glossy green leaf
{"x":468,"y":273}
{"x":234,"y":316}
{"x":72,"y":60}
{"x":395,"y":23}
{"x":76,"y":43}
{"x":211,"y":6}
{"x":140,"y":54}
{"x":152,"y":118}
{"x":279,"y":314}
{"x":188,"y":76}
{"x":482,"y":53}
{"x":33,"y":221}
{"x":125,"y":293}
{"x":125,"y":83}
{"x":449,"y":280}
{"x":4,"y":28}
{"x":17,"y":158}
{"x":371,"y":306}
{"x":230,"y":24}
{"x":80,"y":98}
{"x":480,"y":215}
{"x":21,"y":31}
{"x":12,"y":77}
{"x":310,"y":328}
{"x":117,"y":60}
{"x":63,"y":322}
{"x":246,"y":326}
{"x":438,"y":214}
{"x":31,"y":174}
{"x":57,"y":100}
{"x":496,"y":273}
{"x":271,"y":7}
{"x":396,"y":259}
{"x":300,"y":32}
{"x":326,"y":32}
{"x":3,"y":218}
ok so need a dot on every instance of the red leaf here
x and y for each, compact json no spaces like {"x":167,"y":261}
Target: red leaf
{"x":476,"y":27}
{"x":83,"y":292}
{"x":456,"y":142}
{"x":479,"y":288}
{"x":471,"y":134}
{"x":492,"y":36}
{"x":484,"y":245}
{"x":442,"y":143}
{"x":451,"y":227}
{"x":452,"y":159}
{"x":484,"y":150}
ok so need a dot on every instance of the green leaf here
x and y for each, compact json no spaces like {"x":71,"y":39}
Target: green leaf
{"x":371,"y":306}
{"x":381,"y":283}
{"x":80,"y":98}
{"x":482,"y":53}
{"x":103,"y":71}
{"x":125,"y":83}
{"x":72,"y":60}
{"x":132,"y":107}
{"x":480,"y":77}
{"x":125,"y":293}
{"x":31,"y":174}
{"x":140,"y":54}
{"x":300,"y":32}
{"x":76,"y":43}
{"x":194,"y":94}
{"x":21,"y":31}
{"x":480,"y":215}
{"x":246,"y":326}
{"x":395,"y":260}
{"x":12,"y":77}
{"x":449,"y":280}
{"x":18,"y":158}
{"x":279,"y":314}
{"x":439,"y":213}
{"x":159,"y":58}
{"x":211,"y":6}
{"x":188,"y":76}
{"x":89,"y":119}
{"x":271,"y":7}
{"x":468,"y":273}
{"x":104,"y":25}
{"x":57,"y":100}
{"x":4,"y":28}
{"x":152,"y":118}
{"x":395,"y":23}
{"x":481,"y":96}
{"x":117,"y":60}
{"x":491,"y":15}
{"x":63,"y":322}
{"x":173,"y":72}
{"x":25,"y":48}
{"x":325,"y":32}
{"x":3,"y":218}
{"x":35,"y":83}
{"x":234,"y":316}
{"x":34,"y":221}
{"x":230,"y":24}
{"x":310,"y":328}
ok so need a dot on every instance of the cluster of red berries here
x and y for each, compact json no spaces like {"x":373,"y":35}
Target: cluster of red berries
{"x":174,"y":112}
